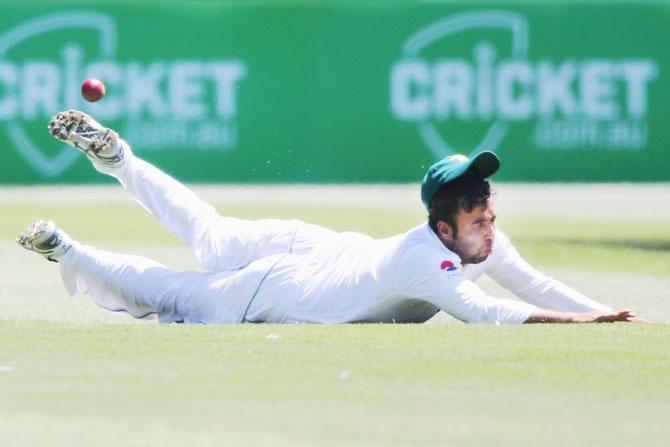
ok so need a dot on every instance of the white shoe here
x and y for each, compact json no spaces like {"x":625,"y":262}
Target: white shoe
{"x":44,"y":237}
{"x":82,"y":132}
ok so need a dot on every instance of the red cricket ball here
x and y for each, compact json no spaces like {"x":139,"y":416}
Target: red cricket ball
{"x":92,"y":90}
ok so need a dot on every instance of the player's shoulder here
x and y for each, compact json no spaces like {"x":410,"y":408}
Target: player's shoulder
{"x":501,"y":237}
{"x":423,"y":253}
{"x":421,"y":235}
{"x":501,"y":243}
{"x":503,"y":253}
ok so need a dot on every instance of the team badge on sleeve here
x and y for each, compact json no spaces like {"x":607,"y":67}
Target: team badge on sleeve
{"x":448,"y":266}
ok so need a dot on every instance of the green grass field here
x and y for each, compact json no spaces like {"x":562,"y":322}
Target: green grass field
{"x":73,"y":374}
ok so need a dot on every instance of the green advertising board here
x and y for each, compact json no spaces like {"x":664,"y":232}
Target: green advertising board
{"x":356,"y":91}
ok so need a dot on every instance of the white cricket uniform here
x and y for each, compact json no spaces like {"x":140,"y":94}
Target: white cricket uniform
{"x":289,"y":271}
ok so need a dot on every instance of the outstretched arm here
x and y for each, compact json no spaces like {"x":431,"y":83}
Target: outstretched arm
{"x":511,"y":271}
{"x":470,"y":304}
{"x":423,"y":278}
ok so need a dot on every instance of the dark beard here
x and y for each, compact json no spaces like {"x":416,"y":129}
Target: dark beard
{"x":476,"y":260}
{"x":470,"y":260}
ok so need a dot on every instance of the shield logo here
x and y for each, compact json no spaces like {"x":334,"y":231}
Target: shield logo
{"x":54,"y":87}
{"x":445,"y":39}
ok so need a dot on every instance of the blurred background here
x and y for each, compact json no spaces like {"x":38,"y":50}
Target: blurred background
{"x":342,"y":91}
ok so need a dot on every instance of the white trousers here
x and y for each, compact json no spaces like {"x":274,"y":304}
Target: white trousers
{"x":237,"y":255}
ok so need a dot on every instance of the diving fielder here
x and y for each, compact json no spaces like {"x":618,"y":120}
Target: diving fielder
{"x":289,"y":271}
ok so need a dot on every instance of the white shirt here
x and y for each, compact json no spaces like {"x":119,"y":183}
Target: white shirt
{"x":351,"y":277}
{"x":288,"y":271}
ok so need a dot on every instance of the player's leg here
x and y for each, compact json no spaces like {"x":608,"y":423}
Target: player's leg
{"x":137,"y":285}
{"x":219,"y":243}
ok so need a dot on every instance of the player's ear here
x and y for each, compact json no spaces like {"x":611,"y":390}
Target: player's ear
{"x":444,"y":231}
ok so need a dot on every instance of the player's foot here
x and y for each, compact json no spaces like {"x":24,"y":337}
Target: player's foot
{"x":79,"y":130}
{"x":44,"y":237}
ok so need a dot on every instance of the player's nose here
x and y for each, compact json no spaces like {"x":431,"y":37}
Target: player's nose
{"x":490,"y":233}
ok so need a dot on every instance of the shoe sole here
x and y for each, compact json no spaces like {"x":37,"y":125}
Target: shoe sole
{"x":32,"y":233}
{"x":85,"y":134}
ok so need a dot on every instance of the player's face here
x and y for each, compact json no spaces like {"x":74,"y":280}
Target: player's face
{"x":473,"y":241}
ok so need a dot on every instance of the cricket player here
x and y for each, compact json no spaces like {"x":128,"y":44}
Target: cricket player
{"x":280,"y":271}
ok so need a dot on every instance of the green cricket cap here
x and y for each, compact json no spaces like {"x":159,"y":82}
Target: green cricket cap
{"x":450,"y":168}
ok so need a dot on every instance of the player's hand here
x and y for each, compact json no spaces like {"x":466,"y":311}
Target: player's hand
{"x":607,"y":317}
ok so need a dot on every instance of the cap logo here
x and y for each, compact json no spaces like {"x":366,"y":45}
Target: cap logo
{"x":448,"y":266}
